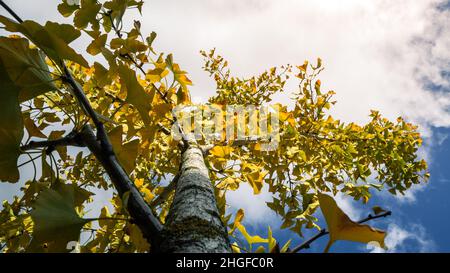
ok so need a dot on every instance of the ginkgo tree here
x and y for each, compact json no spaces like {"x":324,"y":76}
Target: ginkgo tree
{"x":169,"y":194}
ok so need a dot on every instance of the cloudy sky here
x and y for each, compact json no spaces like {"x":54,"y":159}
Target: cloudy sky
{"x":393,"y":56}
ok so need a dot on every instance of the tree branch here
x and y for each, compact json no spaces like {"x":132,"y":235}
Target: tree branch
{"x":139,"y":210}
{"x":10,"y":11}
{"x":72,"y":139}
{"x":165,"y":193}
{"x":323,"y":232}
{"x":103,"y":151}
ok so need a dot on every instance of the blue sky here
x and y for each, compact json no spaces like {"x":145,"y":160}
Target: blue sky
{"x":393,"y":56}
{"x":421,"y":225}
{"x":426,"y":220}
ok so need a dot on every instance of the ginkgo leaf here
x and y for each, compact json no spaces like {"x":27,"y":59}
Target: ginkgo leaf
{"x":11,"y":127}
{"x":378,"y":210}
{"x":54,"y":44}
{"x":146,"y":193}
{"x":125,"y":152}
{"x":67,"y":9}
{"x":255,"y":239}
{"x":235,"y":248}
{"x":155,"y":75}
{"x":101,"y":74}
{"x":237,"y":220}
{"x":26,"y":67}
{"x":230,"y":183}
{"x":341,"y":227}
{"x":64,"y":31}
{"x":138,"y":239}
{"x":32,"y":129}
{"x":183,"y":96}
{"x":272,"y":243}
{"x":86,"y":13}
{"x":221,"y":151}
{"x":237,"y":224}
{"x":136,"y":94}
{"x":97,"y":45}
{"x":255,"y":176}
{"x":56,"y":222}
{"x":80,"y":195}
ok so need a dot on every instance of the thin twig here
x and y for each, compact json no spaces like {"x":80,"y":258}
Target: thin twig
{"x":324,"y":232}
{"x":72,"y":139}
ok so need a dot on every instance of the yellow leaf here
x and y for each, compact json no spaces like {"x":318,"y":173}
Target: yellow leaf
{"x":104,"y":214}
{"x":183,"y":96}
{"x":229,"y":183}
{"x":272,"y":242}
{"x":125,"y":152}
{"x":157,"y":74}
{"x":139,"y":182}
{"x":221,"y":151}
{"x":52,"y":38}
{"x":255,"y":177}
{"x":148,"y":195}
{"x":136,"y":94}
{"x":237,"y":220}
{"x":237,"y":224}
{"x":260,"y":249}
{"x":341,"y":227}
{"x":250,"y":239}
{"x":138,"y":239}
{"x":235,"y":248}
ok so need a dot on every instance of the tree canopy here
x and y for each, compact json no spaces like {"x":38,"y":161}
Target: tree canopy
{"x":121,"y":105}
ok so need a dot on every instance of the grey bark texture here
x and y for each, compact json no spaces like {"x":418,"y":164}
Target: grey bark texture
{"x":193,"y":224}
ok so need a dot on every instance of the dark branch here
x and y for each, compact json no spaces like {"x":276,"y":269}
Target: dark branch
{"x":324,"y":232}
{"x":101,"y":147}
{"x":72,"y":139}
{"x":10,"y":11}
{"x":165,"y":193}
{"x":139,"y":210}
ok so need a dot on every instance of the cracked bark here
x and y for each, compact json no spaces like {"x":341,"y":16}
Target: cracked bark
{"x":193,"y":224}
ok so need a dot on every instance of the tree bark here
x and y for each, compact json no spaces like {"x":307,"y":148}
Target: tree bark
{"x":193,"y":224}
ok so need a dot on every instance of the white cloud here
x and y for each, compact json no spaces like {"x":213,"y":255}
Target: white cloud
{"x":347,"y":204}
{"x":254,"y":206}
{"x":378,"y":54}
{"x":412,"y":239}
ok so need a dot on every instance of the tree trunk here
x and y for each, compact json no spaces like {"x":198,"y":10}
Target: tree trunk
{"x":193,"y":224}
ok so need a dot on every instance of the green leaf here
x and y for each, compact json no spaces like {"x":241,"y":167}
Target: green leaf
{"x":150,"y":39}
{"x":26,"y":67}
{"x":32,"y":129}
{"x":378,"y":210}
{"x":96,"y":45}
{"x":54,"y":44}
{"x":11,"y":127}
{"x":87,"y":13}
{"x":56,"y":222}
{"x":64,"y":31}
{"x":136,"y":94}
{"x":67,"y":9}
